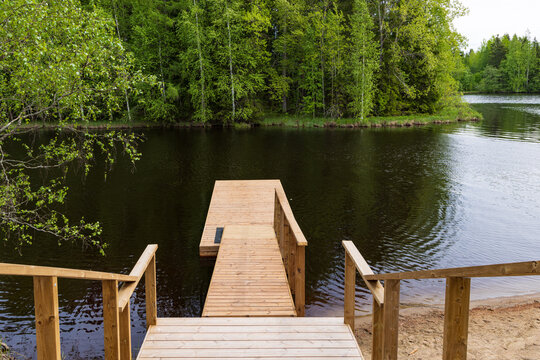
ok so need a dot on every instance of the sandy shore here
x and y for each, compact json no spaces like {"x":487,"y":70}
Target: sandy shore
{"x":500,"y":328}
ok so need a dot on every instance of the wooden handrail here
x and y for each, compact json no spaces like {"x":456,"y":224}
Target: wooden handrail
{"x":525,"y":268}
{"x":124,"y":294}
{"x":287,"y":212}
{"x":292,"y":245}
{"x":386,"y":312}
{"x":116,"y":313}
{"x":32,"y":270}
{"x":364,"y":270}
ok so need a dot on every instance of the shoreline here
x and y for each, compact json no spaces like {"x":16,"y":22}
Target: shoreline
{"x":505,"y":327}
{"x":282,"y":122}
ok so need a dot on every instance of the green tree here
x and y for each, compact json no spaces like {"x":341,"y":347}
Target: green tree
{"x":59,"y":63}
{"x":362,"y":60}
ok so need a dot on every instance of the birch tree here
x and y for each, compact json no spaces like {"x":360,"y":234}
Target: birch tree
{"x":362,"y":60}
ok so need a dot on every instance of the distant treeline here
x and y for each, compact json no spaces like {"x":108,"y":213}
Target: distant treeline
{"x":503,"y":64}
{"x":226,"y":60}
{"x":235,"y":60}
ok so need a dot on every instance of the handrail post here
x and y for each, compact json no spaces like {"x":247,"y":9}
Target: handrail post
{"x":111,"y":320}
{"x":300,"y":281}
{"x":47,"y":317}
{"x":377,"y":330}
{"x":456,"y":318}
{"x":125,"y":333}
{"x":390,"y":319}
{"x":349,"y":298}
{"x":291,"y":266}
{"x":150,"y":291}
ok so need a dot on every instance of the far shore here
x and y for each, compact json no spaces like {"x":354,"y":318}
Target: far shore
{"x":285,"y":121}
{"x":499,"y":328}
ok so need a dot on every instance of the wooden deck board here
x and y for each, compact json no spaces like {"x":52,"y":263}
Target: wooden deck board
{"x":238,"y":202}
{"x":249,"y":264}
{"x":250,"y":338}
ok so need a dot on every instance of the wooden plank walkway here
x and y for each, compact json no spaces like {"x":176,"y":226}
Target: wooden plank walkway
{"x":249,"y":278}
{"x":249,"y":312}
{"x":238,"y":202}
{"x":250,"y":338}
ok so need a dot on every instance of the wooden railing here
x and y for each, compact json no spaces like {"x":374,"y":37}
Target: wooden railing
{"x":292,"y":245}
{"x":116,"y":312}
{"x":386,"y":300}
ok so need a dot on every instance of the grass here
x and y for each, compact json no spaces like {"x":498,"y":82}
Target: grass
{"x":461,"y":113}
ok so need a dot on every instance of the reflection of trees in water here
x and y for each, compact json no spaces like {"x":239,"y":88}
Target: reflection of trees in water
{"x":388,"y":191}
{"x":521,"y":121}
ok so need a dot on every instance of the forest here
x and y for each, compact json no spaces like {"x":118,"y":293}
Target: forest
{"x":227,"y":61}
{"x":509,"y":64}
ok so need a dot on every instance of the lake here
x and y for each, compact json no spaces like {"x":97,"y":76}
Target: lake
{"x":410,"y":198}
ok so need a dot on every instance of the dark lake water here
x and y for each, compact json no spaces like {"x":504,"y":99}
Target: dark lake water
{"x":419,"y":198}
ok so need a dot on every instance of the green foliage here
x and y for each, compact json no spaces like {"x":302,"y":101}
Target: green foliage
{"x":64,"y":64}
{"x":502,"y":64}
{"x":233,"y":60}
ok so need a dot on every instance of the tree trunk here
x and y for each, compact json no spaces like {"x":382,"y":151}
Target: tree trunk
{"x":203,"y":105}
{"x":230,"y":63}
{"x":120,"y":38}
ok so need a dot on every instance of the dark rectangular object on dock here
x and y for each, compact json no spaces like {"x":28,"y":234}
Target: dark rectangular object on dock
{"x":219,"y":233}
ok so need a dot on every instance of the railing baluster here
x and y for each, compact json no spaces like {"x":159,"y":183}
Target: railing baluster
{"x":390,"y":319}
{"x":456,"y":318}
{"x":150,"y":290}
{"x":47,"y":317}
{"x":125,"y":333}
{"x":111,"y":319}
{"x":350,"y":281}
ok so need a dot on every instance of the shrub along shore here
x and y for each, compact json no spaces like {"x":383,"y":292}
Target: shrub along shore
{"x":465,"y":114}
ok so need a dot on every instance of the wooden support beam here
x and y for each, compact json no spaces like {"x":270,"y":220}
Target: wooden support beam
{"x":150,"y":290}
{"x":111,"y":320}
{"x":300,"y":281}
{"x":125,"y":333}
{"x":47,"y":318}
{"x":350,"y":282}
{"x":377,"y":331}
{"x":390,"y":319}
{"x":456,"y":318}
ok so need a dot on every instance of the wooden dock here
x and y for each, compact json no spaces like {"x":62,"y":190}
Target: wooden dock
{"x":249,"y":277}
{"x":257,"y":288}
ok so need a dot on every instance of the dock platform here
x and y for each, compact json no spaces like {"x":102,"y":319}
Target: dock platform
{"x":238,"y":202}
{"x":267,"y":338}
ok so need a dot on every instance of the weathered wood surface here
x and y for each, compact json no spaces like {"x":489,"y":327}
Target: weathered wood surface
{"x":240,"y":202}
{"x":249,"y":277}
{"x":250,"y":338}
